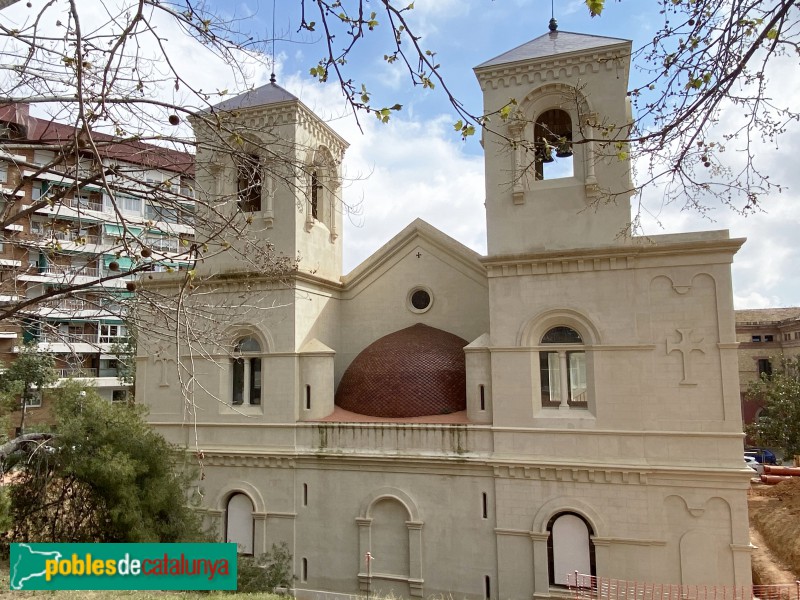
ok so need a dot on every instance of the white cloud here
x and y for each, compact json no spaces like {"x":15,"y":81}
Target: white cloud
{"x":416,"y":167}
{"x":400,"y":171}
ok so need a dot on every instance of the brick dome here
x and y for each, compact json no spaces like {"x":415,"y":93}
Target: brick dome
{"x":414,"y":372}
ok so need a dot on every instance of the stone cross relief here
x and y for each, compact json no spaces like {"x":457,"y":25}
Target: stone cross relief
{"x":162,"y":356}
{"x":685,"y":346}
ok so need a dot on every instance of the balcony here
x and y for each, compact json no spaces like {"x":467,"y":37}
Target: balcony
{"x":70,"y":270}
{"x":71,"y":236}
{"x":77,"y":372}
{"x":55,"y":337}
{"x":69,"y":304}
{"x":82,"y":203}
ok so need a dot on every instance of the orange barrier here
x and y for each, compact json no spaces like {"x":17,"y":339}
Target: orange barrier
{"x":778,"y":470}
{"x":774,"y":479}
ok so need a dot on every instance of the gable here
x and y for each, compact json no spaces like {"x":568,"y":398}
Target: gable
{"x":378,"y":297}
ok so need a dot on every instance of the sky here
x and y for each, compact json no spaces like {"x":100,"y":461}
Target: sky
{"x":417,"y":165}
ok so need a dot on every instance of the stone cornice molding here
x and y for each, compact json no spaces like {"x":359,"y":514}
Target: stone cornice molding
{"x":234,"y":278}
{"x":588,"y":347}
{"x":573,"y":474}
{"x":581,"y":260}
{"x":322,"y":132}
{"x":607,"y":541}
{"x":247,"y":460}
{"x":517,"y":532}
{"x":292,"y":112}
{"x":537,"y":72}
{"x":523,"y":469}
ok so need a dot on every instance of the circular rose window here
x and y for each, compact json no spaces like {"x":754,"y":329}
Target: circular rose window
{"x":419,"y":299}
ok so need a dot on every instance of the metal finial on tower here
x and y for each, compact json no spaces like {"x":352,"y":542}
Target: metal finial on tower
{"x":272,"y":75}
{"x":553,"y":23}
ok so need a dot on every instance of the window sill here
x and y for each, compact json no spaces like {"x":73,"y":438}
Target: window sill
{"x":569,"y":414}
{"x":247,"y":410}
{"x":561,"y":182}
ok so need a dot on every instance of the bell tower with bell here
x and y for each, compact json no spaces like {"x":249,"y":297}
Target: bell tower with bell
{"x":556,"y":176}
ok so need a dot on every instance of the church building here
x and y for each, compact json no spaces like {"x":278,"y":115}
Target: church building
{"x":441,"y":422}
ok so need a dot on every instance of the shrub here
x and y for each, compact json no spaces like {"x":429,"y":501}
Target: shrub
{"x":266,"y":572}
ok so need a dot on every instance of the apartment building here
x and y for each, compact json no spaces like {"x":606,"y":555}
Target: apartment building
{"x":763,"y":334}
{"x":82,"y":219}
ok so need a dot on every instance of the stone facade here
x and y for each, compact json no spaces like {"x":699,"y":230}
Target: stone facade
{"x":602,"y":429}
{"x":764,"y":334}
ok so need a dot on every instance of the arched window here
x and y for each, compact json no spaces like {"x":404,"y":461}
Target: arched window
{"x":569,"y":547}
{"x":552,"y":139}
{"x":246,"y":372}
{"x":248,"y":182}
{"x":239,"y":523}
{"x":563,"y":369}
{"x":323,"y":183}
{"x":316,"y":192}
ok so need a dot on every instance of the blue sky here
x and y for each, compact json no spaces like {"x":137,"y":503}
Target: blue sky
{"x":417,"y":166}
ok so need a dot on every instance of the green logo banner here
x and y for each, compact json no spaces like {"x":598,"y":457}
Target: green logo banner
{"x":123,"y":567}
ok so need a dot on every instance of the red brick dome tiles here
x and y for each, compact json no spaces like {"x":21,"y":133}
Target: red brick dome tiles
{"x":414,"y":372}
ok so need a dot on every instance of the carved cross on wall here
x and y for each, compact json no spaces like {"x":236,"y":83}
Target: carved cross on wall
{"x":685,"y":346}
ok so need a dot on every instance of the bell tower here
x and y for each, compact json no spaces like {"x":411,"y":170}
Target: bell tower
{"x":273,"y":167}
{"x":556,"y":177}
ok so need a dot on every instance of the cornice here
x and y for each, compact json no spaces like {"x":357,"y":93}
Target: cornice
{"x":322,"y":132}
{"x":609,"y":258}
{"x":279,"y":114}
{"x":235,"y":278}
{"x":229,"y":459}
{"x":536,"y":72}
{"x":572,"y":474}
{"x":533,"y":469}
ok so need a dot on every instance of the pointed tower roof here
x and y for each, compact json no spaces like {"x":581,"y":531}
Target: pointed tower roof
{"x":270,"y":93}
{"x":552,"y":44}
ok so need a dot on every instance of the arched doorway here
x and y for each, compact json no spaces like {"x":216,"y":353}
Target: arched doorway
{"x":239,"y":523}
{"x":569,"y":547}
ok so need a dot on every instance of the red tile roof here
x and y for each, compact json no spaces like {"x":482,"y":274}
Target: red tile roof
{"x":136,"y":152}
{"x":413,"y":372}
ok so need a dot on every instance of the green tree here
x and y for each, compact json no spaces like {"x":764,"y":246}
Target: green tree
{"x":779,"y":424}
{"x":266,"y":572}
{"x":29,"y":373}
{"x":103,"y":476}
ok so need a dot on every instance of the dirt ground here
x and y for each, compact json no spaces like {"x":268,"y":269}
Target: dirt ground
{"x":775,"y":530}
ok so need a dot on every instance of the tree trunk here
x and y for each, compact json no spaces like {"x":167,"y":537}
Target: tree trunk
{"x":19,"y":442}
{"x":24,"y":405}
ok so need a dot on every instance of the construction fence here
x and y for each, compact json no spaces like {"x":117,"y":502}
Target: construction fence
{"x":589,"y":587}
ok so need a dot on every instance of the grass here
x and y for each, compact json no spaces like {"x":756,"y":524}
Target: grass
{"x":7,"y":594}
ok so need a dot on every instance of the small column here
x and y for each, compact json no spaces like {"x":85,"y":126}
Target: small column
{"x":415,"y":579}
{"x":592,"y":191}
{"x":541,"y":571}
{"x":246,"y":386}
{"x":334,"y":194}
{"x":364,"y":545}
{"x":563,"y":374}
{"x":268,"y":200}
{"x":515,"y":130}
{"x":309,"y":190}
{"x":602,"y":549}
{"x":259,"y":533}
{"x":213,"y":520}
